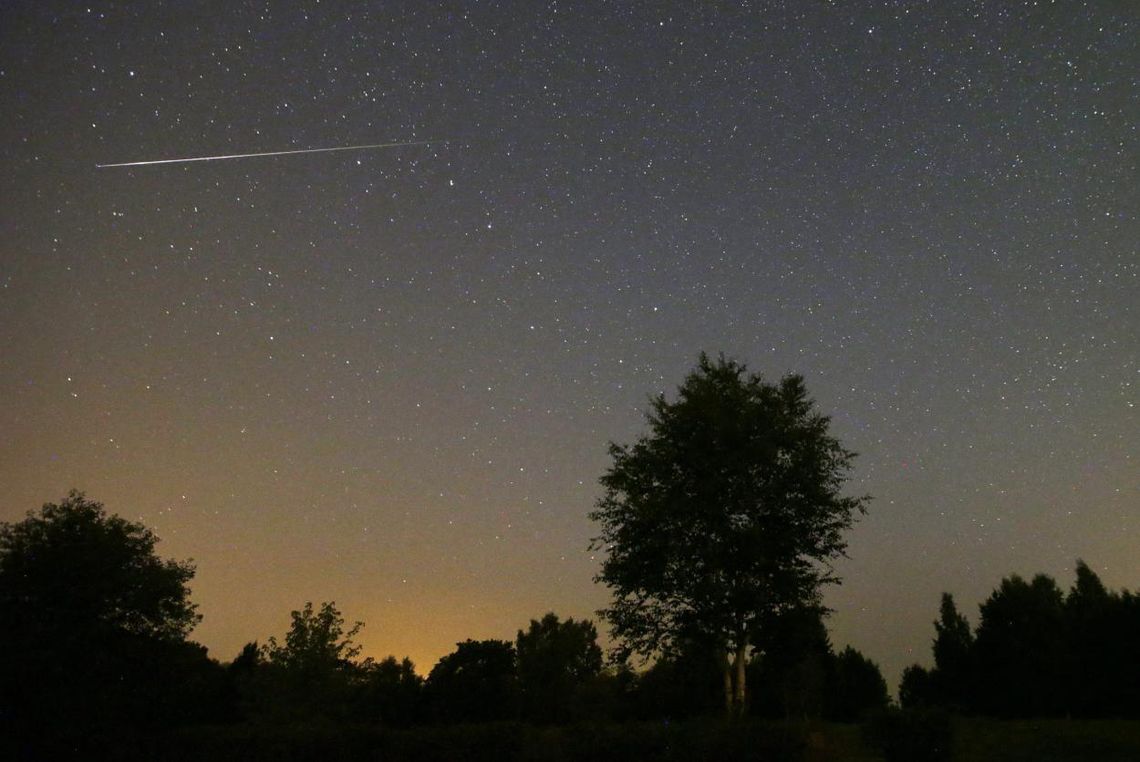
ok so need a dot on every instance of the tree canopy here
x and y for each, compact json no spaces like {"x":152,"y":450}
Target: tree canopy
{"x":71,"y":567}
{"x":555,"y":658}
{"x":316,"y":643}
{"x":93,"y":627}
{"x":724,"y":515}
{"x":477,"y":682}
{"x":1036,"y":652}
{"x":316,"y":671}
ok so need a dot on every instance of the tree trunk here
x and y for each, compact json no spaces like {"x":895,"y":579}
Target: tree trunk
{"x":728,"y":692}
{"x":739,"y":694}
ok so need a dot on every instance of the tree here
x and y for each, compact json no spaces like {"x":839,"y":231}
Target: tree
{"x":1020,"y":649}
{"x":857,"y":687}
{"x":72,"y":569}
{"x":316,"y":642}
{"x":953,"y":655}
{"x":793,"y":665}
{"x":1099,"y":648}
{"x":392,"y":690}
{"x":915,"y":691}
{"x":316,"y":670}
{"x":555,"y":659}
{"x":726,"y":514}
{"x":685,"y":683}
{"x":477,"y":682}
{"x":93,"y":626}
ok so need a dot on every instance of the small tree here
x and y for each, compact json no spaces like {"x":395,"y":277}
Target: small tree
{"x":316,"y":642}
{"x":316,"y":670}
{"x":1095,"y":650}
{"x":915,"y":689}
{"x":953,"y":655}
{"x":726,"y":514}
{"x":857,"y":687}
{"x":793,"y":665}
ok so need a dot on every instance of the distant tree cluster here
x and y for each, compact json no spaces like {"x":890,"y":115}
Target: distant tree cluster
{"x":1036,"y":652}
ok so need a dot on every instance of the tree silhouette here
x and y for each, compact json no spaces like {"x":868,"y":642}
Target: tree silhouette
{"x":953,"y":656}
{"x":856,"y":689}
{"x":316,"y":642}
{"x":1102,"y":666}
{"x":71,"y":568}
{"x":915,"y":689}
{"x":392,"y":692}
{"x":1020,"y":648}
{"x":793,"y":666}
{"x":555,"y":659}
{"x":1036,"y":652}
{"x":477,"y":682}
{"x":93,"y":626}
{"x":724,"y":515}
{"x":315,"y":672}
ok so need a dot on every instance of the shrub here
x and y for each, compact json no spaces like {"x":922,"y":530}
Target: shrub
{"x":905,"y":735}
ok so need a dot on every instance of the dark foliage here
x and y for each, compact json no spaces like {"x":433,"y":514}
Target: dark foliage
{"x":478,"y":682}
{"x":793,"y":668}
{"x":916,"y":689}
{"x":555,"y":660}
{"x":954,"y":656}
{"x":693,"y":740}
{"x":72,"y":569}
{"x":924,"y":735}
{"x":316,"y":673}
{"x":796,"y":674}
{"x":857,"y":688}
{"x":1020,"y":644}
{"x":688,"y":683}
{"x":93,"y":629}
{"x":392,"y":692}
{"x":1036,"y":653}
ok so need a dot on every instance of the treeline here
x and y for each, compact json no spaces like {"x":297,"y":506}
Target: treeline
{"x":95,"y":650}
{"x":94,"y":644}
{"x":553,"y":673}
{"x":1036,"y":652}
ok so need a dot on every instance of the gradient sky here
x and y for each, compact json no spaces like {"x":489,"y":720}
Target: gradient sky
{"x":388,"y":377}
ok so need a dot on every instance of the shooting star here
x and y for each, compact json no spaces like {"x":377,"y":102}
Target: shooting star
{"x":268,"y":153}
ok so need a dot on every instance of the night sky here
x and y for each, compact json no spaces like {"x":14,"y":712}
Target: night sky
{"x":388,"y":377}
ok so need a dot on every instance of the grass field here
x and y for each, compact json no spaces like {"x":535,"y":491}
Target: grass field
{"x":982,"y":740}
{"x":973,"y":740}
{"x":1047,"y":740}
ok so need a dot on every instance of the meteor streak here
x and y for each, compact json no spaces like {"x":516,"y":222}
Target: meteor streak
{"x":267,"y":153}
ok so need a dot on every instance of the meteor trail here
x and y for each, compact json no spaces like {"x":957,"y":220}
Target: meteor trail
{"x":267,"y":153}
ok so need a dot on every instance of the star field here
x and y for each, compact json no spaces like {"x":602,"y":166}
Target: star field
{"x":388,"y":377}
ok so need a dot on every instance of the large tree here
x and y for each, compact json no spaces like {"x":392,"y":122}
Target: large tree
{"x":93,"y":627}
{"x":726,"y":514}
{"x":72,"y":570}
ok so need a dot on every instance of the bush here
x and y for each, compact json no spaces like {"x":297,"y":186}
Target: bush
{"x":905,"y":735}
